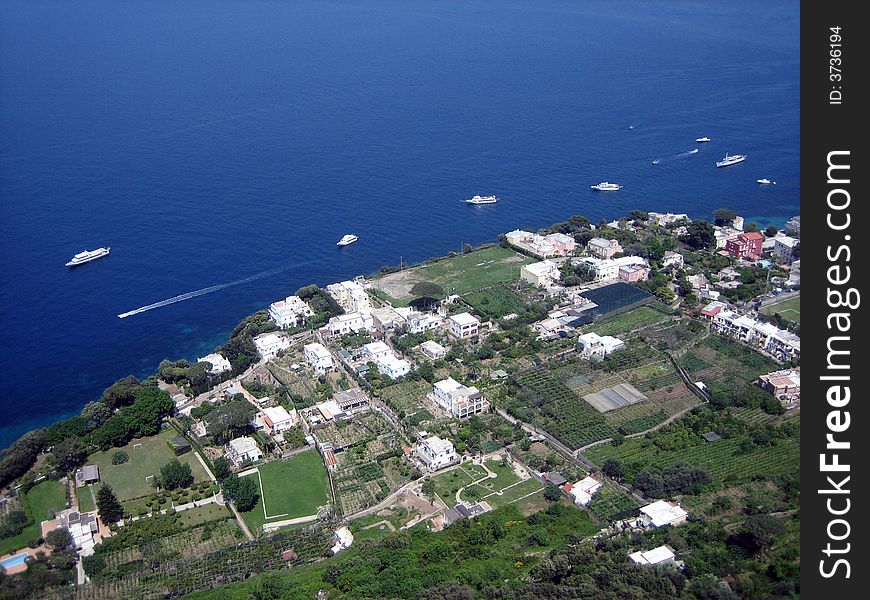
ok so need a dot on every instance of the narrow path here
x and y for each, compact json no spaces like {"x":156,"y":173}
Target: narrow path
{"x":241,"y":522}
{"x":385,"y":523}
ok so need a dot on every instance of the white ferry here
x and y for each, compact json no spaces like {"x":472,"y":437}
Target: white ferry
{"x":347,"y":240}
{"x":482,"y":200}
{"x":703,"y":140}
{"x":87,"y":256}
{"x":731,"y":159}
{"x":606,"y":186}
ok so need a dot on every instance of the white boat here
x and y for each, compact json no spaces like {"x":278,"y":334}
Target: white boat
{"x":606,"y":186}
{"x":347,"y":240}
{"x":764,"y":181}
{"x":481,"y":200}
{"x":702,"y":140}
{"x":655,"y":162}
{"x":693,"y":151}
{"x":87,"y":256}
{"x":731,"y":159}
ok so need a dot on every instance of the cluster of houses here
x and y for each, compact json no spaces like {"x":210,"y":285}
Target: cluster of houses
{"x":784,"y":385}
{"x":779,"y":343}
{"x":542,"y":246}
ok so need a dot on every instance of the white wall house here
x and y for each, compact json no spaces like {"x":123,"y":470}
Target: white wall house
{"x":290,"y":312}
{"x":542,"y":273}
{"x":434,"y":452}
{"x":583,"y":490}
{"x":241,"y":449}
{"x":419,"y":322}
{"x":269,"y":344}
{"x":459,"y":400}
{"x":318,"y":357}
{"x":673,"y":259}
{"x":463,"y":326}
{"x":347,"y":323}
{"x":784,"y":248}
{"x":433,"y":350}
{"x":598,"y":346}
{"x":603,"y":248}
{"x":219,"y":364}
{"x":351,"y":296}
{"x":277,"y":419}
{"x":662,"y":512}
{"x":393,"y":367}
{"x":656,"y":556}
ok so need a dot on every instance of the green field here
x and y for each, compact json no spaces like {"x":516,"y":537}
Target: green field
{"x":458,"y":274}
{"x":622,"y":323}
{"x":789,"y":309}
{"x":292,"y":488}
{"x":43,"y":498}
{"x":128,"y":479}
{"x":86,"y":500}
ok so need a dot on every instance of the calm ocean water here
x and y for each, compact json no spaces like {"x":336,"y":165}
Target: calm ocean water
{"x":206,"y":142}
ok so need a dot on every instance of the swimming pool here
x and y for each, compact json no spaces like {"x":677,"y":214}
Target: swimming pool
{"x":14,"y":561}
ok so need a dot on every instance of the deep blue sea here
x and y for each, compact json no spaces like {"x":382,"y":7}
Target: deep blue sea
{"x":210,"y":141}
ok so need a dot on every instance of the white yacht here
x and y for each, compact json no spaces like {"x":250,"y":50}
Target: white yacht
{"x":731,"y":159}
{"x":87,"y":256}
{"x":764,"y":181}
{"x":606,"y":186}
{"x":482,"y":200}
{"x":702,"y":140}
{"x":347,"y":240}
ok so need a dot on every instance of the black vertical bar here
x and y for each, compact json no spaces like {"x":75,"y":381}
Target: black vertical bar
{"x":833,"y":103}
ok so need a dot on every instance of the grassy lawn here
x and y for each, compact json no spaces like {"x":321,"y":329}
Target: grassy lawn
{"x":447,"y":484}
{"x":292,"y":488}
{"x":86,"y":501}
{"x":128,"y":479}
{"x":789,"y":309}
{"x":43,"y":498}
{"x":202,"y":514}
{"x":622,"y":323}
{"x":459,"y":274}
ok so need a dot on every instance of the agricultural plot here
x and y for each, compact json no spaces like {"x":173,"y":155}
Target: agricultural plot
{"x":720,"y":360}
{"x":299,"y":382}
{"x":618,"y":396}
{"x":495,"y":302}
{"x":408,"y":400}
{"x":550,"y":404}
{"x":611,"y":503}
{"x":133,"y":479}
{"x":789,"y":309}
{"x":627,"y":322}
{"x":724,"y":459}
{"x":458,"y":274}
{"x":289,"y":489}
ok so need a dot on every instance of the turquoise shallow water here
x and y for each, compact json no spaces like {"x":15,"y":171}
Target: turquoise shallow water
{"x":207,"y":142}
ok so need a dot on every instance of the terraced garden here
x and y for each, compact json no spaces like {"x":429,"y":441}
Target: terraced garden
{"x":626,"y":322}
{"x":611,"y":502}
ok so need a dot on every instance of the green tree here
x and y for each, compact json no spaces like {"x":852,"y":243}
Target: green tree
{"x":59,"y":538}
{"x":770,"y":231}
{"x":121,"y":393}
{"x":552,"y":493}
{"x":120,"y":457}
{"x":93,"y":565}
{"x":428,"y":490}
{"x":68,"y":454}
{"x":613,"y":469}
{"x":108,"y":506}
{"x":724,"y":216}
{"x":700,"y":235}
{"x":221,"y":468}
{"x":175,"y":474}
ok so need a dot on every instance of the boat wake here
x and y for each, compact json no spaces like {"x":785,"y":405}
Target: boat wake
{"x":199,"y":292}
{"x":677,"y":156}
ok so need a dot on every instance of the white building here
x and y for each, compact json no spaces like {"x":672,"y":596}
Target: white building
{"x":541,"y":274}
{"x":419,"y":322}
{"x":433,"y":350}
{"x":459,"y":400}
{"x":393,"y":367}
{"x":277,"y":419}
{"x":780,"y":343}
{"x":598,"y":346}
{"x":243,"y":449}
{"x":347,"y":323}
{"x":290,"y":312}
{"x":269,"y":344}
{"x":341,"y":540}
{"x":434,"y":452}
{"x":219,"y":364}
{"x":463,"y":326}
{"x":583,"y":490}
{"x":662,"y":512}
{"x":667,"y":218}
{"x":656,"y":556}
{"x":351,"y":296}
{"x":784,"y":248}
{"x":603,"y":248}
{"x":542,"y":246}
{"x":318,"y":357}
{"x":672,"y":259}
{"x":376,"y":350}
{"x":603,"y":269}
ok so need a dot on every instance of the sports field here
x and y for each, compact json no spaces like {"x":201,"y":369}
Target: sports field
{"x":290,"y":489}
{"x":459,"y":274}
{"x":43,"y":498}
{"x":789,"y":309}
{"x":146,"y":456}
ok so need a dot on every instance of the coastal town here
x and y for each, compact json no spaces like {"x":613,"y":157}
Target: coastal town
{"x":628,"y":379}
